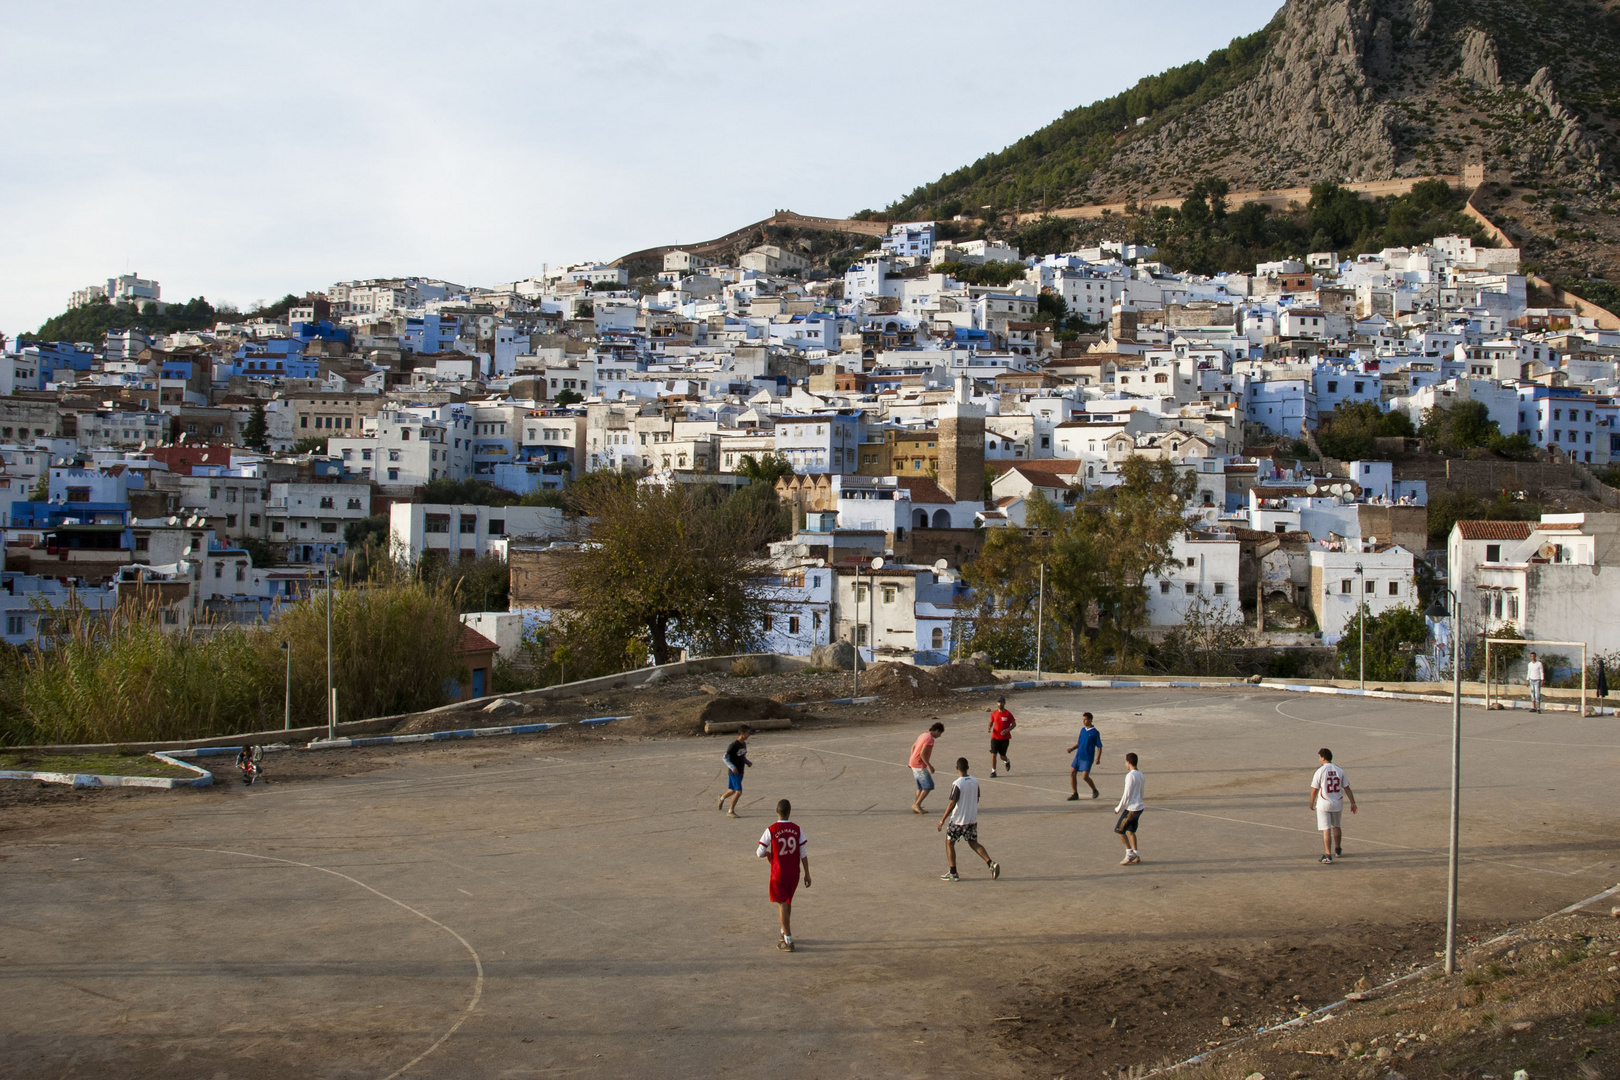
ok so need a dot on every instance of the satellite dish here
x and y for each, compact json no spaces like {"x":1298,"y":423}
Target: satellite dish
{"x":941,"y":566}
{"x":877,"y":562}
{"x":1310,"y":489}
{"x":1547,"y":551}
{"x":174,"y":521}
{"x":486,"y":322}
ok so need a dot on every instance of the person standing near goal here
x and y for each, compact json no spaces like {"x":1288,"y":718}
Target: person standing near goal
{"x":1329,"y":789}
{"x":1535,"y":673}
{"x":784,"y":844}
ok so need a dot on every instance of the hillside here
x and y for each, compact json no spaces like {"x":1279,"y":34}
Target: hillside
{"x":1350,"y":90}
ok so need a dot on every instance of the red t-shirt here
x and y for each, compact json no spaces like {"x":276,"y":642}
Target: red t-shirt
{"x":924,"y":741}
{"x":785,"y":842}
{"x":1001,"y":724}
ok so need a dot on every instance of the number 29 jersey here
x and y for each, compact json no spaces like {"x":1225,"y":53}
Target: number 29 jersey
{"x":784,"y":843}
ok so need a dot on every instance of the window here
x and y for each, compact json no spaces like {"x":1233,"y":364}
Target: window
{"x":328,"y":526}
{"x":230,"y":521}
{"x":326,"y":502}
{"x":1344,"y":585}
{"x":405,"y":434}
{"x":1220,"y":588}
{"x":241,"y":571}
{"x":393,"y":455}
{"x":1192,"y":560}
{"x":1394,"y":588}
{"x":278,"y":526}
{"x":435,"y":523}
{"x":469,"y":524}
{"x":860,"y":593}
{"x":815,"y":620}
{"x":1369,"y":587}
{"x":354,"y":503}
{"x":1190,"y":588}
{"x":497,"y":526}
{"x":1164,"y":588}
{"x":1281,"y":527}
{"x":1493,"y":552}
{"x":253,"y":521}
{"x":393,"y":474}
{"x":14,"y":625}
{"x":1513,"y":606}
{"x":765,"y":624}
{"x":219,"y":569}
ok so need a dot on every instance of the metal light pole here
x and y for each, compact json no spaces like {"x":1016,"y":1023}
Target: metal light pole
{"x":855,"y":606}
{"x":871,"y":608}
{"x":1437,"y":610}
{"x":1040,"y":621}
{"x":286,"y":718}
{"x":331,"y":699}
{"x":1361,"y":617}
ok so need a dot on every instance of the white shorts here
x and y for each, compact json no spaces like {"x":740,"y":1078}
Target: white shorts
{"x":1328,"y":819}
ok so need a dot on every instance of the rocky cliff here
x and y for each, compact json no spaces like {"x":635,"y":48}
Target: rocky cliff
{"x":1357,"y":90}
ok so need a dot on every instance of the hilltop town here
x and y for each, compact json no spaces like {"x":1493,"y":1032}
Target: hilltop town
{"x":933,"y":393}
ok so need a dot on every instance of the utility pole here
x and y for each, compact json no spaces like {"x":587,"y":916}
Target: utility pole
{"x":1040,"y":621}
{"x":1361,"y":618}
{"x":331,"y":691}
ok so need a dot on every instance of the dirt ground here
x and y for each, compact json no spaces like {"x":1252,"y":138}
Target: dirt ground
{"x":1071,"y":966}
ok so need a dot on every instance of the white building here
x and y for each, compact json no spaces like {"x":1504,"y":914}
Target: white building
{"x":468,"y":532}
{"x":1203,"y":570}
{"x":1382,"y":577}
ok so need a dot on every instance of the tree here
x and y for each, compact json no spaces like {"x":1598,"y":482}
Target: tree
{"x":256,"y":435}
{"x":1467,"y":425}
{"x":310,"y":444}
{"x":568,"y":397}
{"x":1096,"y":555}
{"x":668,"y":567}
{"x":1393,"y":639}
{"x":471,"y":492}
{"x":766,"y":469}
{"x":42,"y":488}
{"x":1351,"y":431}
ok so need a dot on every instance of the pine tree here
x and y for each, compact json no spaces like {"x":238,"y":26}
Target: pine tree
{"x":257,"y":433}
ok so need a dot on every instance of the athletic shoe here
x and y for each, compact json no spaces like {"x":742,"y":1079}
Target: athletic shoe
{"x":1074,"y":798}
{"x":1096,"y":794}
{"x":1127,"y":860}
{"x":784,"y":944}
{"x":1337,"y":854}
{"x":732,"y":813}
{"x":995,"y":870}
{"x":1005,"y":764}
{"x":949,"y":875}
{"x":1134,"y":858}
{"x":720,"y":803}
{"x":1325,"y":859}
{"x":992,"y":774}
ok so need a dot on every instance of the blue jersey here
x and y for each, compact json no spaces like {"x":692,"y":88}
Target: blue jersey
{"x":1090,"y":742}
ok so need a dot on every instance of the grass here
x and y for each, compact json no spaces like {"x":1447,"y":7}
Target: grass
{"x":100,"y":764}
{"x":1597,"y":1020}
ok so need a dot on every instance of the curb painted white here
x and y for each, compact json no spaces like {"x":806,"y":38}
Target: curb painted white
{"x":204,"y":778}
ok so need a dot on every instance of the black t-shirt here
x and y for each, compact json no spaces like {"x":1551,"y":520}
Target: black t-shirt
{"x":737,"y":755}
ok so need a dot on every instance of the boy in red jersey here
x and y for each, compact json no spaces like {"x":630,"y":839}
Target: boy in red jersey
{"x":1001,"y":727}
{"x":783,"y":843}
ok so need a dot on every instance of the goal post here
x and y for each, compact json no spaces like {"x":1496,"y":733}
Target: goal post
{"x":1489,"y":641}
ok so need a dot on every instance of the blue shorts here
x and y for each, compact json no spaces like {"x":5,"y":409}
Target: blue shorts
{"x":733,"y":781}
{"x":1081,"y":766}
{"x":925,"y":779}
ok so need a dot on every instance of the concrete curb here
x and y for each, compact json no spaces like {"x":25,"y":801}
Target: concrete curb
{"x":204,"y":778}
{"x":1291,"y":688}
{"x":458,"y":733}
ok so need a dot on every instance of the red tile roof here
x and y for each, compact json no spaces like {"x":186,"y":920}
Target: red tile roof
{"x":472,"y":641}
{"x":1494,"y":530}
{"x":924,"y":490}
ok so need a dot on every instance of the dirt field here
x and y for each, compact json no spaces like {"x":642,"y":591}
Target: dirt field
{"x":571,"y":904}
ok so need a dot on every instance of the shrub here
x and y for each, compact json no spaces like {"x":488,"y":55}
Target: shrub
{"x":745,"y":667}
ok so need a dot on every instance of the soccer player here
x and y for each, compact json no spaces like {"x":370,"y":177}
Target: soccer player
{"x":1130,"y":810}
{"x":922,"y":766}
{"x":963,"y":814}
{"x":1535,"y":673}
{"x":1330,"y":787}
{"x":736,"y":762}
{"x":1087,"y":750}
{"x":1001,"y":725}
{"x":784,"y":844}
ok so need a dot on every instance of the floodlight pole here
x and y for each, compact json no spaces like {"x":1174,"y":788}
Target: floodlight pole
{"x":1040,"y":621}
{"x":1456,"y":785}
{"x":1361,"y":618}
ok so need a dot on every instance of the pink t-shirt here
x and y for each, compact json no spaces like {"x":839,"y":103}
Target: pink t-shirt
{"x":919,"y":748}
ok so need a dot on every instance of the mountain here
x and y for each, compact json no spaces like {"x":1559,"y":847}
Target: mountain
{"x":1354,"y":90}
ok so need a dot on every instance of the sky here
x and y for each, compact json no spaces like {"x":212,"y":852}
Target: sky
{"x":244,"y":151}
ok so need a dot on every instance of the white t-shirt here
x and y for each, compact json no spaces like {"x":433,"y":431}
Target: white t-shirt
{"x":1329,"y":785}
{"x":1535,"y":672}
{"x":965,"y":804}
{"x":1135,"y":788}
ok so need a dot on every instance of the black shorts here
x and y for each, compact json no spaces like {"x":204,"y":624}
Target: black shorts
{"x":1127,"y":821}
{"x":999,"y":746}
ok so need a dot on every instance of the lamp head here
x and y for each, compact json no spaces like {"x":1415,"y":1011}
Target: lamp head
{"x":1436,"y":609}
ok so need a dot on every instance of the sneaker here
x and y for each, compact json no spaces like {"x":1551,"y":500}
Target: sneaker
{"x":732,"y":813}
{"x":1337,"y":854}
{"x":1134,"y":858}
{"x":1005,"y":764}
{"x":992,"y":774}
{"x":995,"y":871}
{"x":1325,"y":859}
{"x":949,"y":875}
{"x":1095,"y":794}
{"x":1074,"y":798}
{"x":720,"y":803}
{"x":1127,"y":860}
{"x":784,"y":944}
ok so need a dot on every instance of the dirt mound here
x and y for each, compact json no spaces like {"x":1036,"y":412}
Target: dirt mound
{"x":903,"y":682}
{"x":687,"y":715}
{"x":961,"y":673}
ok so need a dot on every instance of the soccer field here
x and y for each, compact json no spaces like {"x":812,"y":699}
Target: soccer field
{"x":521,"y":909}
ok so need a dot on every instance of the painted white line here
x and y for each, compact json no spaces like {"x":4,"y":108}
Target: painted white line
{"x":478,"y":964}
